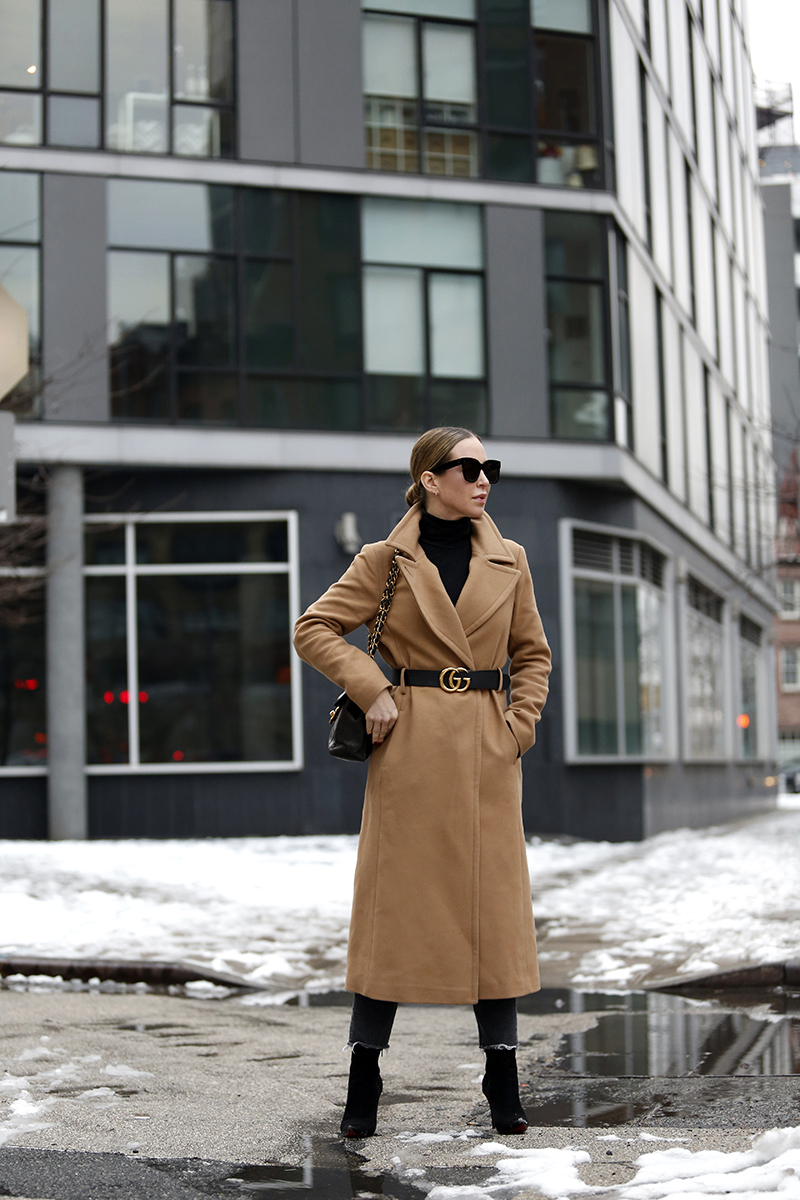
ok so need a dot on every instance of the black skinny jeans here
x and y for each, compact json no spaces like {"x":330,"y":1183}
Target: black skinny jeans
{"x":371,"y":1022}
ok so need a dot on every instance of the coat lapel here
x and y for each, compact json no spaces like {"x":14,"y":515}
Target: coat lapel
{"x":428,"y":590}
{"x":492,"y":575}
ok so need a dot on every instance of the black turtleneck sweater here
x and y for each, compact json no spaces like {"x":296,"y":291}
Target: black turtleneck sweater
{"x":448,"y":544}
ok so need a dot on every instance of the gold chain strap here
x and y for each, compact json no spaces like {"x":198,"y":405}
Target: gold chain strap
{"x":383,"y":608}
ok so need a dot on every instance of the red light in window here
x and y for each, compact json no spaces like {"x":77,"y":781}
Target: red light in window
{"x":31,"y":684}
{"x":178,"y":755}
{"x":19,"y":683}
{"x":124,"y":697}
{"x":143,"y":697}
{"x":743,"y":721}
{"x":108,"y":697}
{"x":40,"y":739}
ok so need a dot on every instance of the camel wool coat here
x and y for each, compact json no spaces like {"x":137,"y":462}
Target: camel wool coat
{"x":442,"y":908}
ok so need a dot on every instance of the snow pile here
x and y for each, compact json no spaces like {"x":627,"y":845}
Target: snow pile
{"x":276,"y":910}
{"x":682,"y":903}
{"x":772,"y":1166}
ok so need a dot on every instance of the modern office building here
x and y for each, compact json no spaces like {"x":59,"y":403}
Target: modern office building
{"x":262,"y":244}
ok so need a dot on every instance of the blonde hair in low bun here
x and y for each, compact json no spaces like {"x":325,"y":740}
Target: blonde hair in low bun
{"x":431,"y":448}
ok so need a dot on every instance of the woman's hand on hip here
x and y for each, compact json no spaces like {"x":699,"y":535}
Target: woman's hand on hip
{"x":381,"y":716}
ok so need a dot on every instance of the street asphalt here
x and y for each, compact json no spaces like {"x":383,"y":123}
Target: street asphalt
{"x":154,"y":1095}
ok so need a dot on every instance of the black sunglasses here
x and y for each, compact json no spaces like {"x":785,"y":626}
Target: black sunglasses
{"x":472,"y":468}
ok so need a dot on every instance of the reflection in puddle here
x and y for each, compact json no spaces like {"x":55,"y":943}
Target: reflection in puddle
{"x":659,"y":1034}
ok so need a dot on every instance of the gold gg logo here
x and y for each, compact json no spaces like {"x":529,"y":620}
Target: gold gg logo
{"x":451,"y":680}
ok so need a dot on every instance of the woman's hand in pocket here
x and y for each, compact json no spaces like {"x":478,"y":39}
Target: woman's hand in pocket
{"x":381,"y":717}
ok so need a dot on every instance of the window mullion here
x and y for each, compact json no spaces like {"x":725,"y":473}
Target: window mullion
{"x":619,"y":667}
{"x":132,"y":647}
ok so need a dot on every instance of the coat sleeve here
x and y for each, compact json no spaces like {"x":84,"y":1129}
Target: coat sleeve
{"x":529,"y":656}
{"x":350,"y":602}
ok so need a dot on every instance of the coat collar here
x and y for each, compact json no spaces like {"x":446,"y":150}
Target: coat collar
{"x":492,"y":575}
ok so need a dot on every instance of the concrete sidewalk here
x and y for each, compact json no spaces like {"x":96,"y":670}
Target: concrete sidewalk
{"x":206,"y":1091}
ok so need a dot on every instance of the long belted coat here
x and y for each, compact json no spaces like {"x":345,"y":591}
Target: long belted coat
{"x":442,"y":906}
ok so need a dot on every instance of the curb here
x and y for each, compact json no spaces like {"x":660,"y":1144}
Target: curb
{"x":764,"y":975}
{"x":152,"y":972}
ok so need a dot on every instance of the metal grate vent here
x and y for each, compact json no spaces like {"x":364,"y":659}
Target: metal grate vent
{"x":651,"y":565}
{"x":592,"y":551}
{"x":704,"y":600}
{"x":625,"y":556}
{"x":749,"y":631}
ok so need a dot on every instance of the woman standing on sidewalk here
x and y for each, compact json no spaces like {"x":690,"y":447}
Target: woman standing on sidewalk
{"x":442,"y":905}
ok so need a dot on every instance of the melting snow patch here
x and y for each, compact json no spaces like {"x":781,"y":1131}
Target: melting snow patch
{"x":122,"y":1071}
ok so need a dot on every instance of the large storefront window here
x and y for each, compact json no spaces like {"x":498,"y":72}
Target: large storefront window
{"x":20,"y":236}
{"x":619,"y":619}
{"x":146,"y":76}
{"x":188,"y":642}
{"x":578,"y":327}
{"x":23,"y":727}
{"x":507,"y":89}
{"x":705,"y":636}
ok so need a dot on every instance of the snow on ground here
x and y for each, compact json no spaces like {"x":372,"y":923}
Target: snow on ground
{"x":276,"y":909}
{"x":771,"y":1166}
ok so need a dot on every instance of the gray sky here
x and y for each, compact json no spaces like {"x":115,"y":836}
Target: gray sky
{"x":775,"y":45}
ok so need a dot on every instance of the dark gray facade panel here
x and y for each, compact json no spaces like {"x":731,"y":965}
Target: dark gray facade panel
{"x":75,"y":360}
{"x":331,"y":107}
{"x":265,"y":63}
{"x":23,"y":807}
{"x":517,"y":324}
{"x":730,"y":791}
{"x":783,"y":363}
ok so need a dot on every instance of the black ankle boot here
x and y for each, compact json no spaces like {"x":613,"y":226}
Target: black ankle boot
{"x":501,"y":1088}
{"x":364,"y":1088}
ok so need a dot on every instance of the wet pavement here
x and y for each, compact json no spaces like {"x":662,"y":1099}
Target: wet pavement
{"x":168,"y":1096}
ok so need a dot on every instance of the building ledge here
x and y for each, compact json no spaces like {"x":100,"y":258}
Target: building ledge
{"x":117,"y":445}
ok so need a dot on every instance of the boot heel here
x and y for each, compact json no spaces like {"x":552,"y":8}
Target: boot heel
{"x":500,"y":1086}
{"x":364,"y":1089}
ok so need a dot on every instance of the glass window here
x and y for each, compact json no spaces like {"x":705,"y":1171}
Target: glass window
{"x":20,"y":47}
{"x":23,"y":728}
{"x":74,"y":45}
{"x":203,"y":50}
{"x":303,"y":404}
{"x":705,"y":673}
{"x":20,"y":119}
{"x":790,"y":668}
{"x":207,"y":399}
{"x":19,"y":206}
{"x":574,"y":16}
{"x":566,"y":76}
{"x":455,"y":305}
{"x":394,"y":321}
{"x":269,"y":317}
{"x":790,"y":598}
{"x":457,"y":9}
{"x":619,"y":615}
{"x":139,"y":331}
{"x":390,"y":57}
{"x":507,"y":66}
{"x":421,"y":233}
{"x":204,"y":310}
{"x":204,"y":674}
{"x":170,"y":216}
{"x":137,"y":75}
{"x":199,"y":132}
{"x":328,"y":283}
{"x":73,"y":121}
{"x":449,"y":88}
{"x":19,"y":275}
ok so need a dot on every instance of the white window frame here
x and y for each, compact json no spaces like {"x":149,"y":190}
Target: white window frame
{"x":790,"y":688}
{"x":793,"y":613}
{"x":567,"y":575}
{"x":130,"y":570}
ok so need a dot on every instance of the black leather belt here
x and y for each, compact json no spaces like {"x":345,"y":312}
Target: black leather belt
{"x":453,"y":679}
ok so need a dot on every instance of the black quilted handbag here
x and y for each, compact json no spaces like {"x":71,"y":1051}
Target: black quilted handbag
{"x":348,"y":737}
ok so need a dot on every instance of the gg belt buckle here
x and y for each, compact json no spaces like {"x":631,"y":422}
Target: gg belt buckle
{"x":450,"y":680}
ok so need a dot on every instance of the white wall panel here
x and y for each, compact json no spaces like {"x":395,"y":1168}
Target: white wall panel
{"x":659,"y":41}
{"x":644,"y":366}
{"x":694,"y":394}
{"x":679,"y":64}
{"x":627,"y":121}
{"x":680,"y":224}
{"x":703,"y":270}
{"x":659,"y":184}
{"x":673,"y":388}
{"x":724,"y":301}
